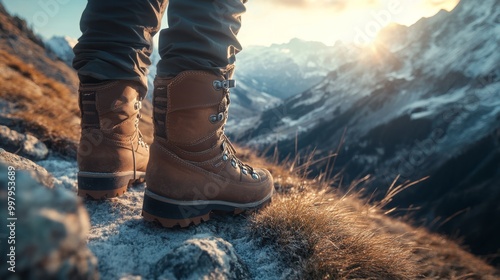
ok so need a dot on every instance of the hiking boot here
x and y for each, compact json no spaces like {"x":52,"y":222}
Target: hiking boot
{"x":112,"y":154}
{"x":193,"y":169}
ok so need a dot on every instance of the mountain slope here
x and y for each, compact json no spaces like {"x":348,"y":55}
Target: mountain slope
{"x":16,"y":38}
{"x":33,"y":103}
{"x":38,"y":87}
{"x":423,"y":101}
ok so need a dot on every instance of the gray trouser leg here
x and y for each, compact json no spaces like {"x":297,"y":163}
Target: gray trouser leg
{"x":116,"y":39}
{"x":201,"y":36}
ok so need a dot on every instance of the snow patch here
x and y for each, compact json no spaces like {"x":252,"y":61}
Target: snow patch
{"x":127,"y":247}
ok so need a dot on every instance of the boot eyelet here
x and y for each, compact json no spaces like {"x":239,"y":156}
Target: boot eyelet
{"x":224,"y":84}
{"x":255,"y":176}
{"x":220,"y":116}
{"x":213,"y":118}
{"x":223,"y":146}
{"x":244,"y":171}
{"x":217,"y":85}
{"x":225,"y":157}
{"x":233,"y":163}
{"x":138,"y":105}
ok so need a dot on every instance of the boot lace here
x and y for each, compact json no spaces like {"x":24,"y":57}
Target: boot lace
{"x":140,"y":140}
{"x":229,"y":154}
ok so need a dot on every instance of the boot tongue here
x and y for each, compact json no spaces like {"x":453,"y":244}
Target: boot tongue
{"x":193,"y":115}
{"x":214,"y":128}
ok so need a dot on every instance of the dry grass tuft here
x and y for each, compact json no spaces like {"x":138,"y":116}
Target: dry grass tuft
{"x":328,"y":239}
{"x":322,"y":234}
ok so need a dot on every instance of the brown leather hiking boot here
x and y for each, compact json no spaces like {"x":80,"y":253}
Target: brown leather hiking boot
{"x":193,"y":169}
{"x":112,"y":154}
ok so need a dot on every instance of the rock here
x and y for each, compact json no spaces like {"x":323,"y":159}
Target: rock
{"x":20,"y":163}
{"x":50,"y":232}
{"x":23,"y":144}
{"x":202,"y":257}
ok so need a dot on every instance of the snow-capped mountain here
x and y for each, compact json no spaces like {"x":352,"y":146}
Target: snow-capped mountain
{"x":247,"y":103}
{"x":423,"y":100}
{"x":449,"y":58}
{"x":267,"y":75}
{"x":284,"y":70}
{"x":155,"y":58}
{"x":62,"y":46}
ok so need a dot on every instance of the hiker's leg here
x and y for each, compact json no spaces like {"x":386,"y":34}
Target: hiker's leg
{"x":201,"y":36}
{"x":117,"y":39}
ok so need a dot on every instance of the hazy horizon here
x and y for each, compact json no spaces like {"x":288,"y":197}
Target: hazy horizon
{"x":311,"y":20}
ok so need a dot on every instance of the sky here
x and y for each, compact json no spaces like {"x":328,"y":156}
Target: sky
{"x":266,"y":21}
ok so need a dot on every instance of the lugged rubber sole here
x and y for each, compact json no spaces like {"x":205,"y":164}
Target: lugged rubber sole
{"x":97,"y":186}
{"x":171,"y":213}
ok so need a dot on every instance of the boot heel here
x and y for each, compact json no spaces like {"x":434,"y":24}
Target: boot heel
{"x":170,"y":214}
{"x":106,"y":185}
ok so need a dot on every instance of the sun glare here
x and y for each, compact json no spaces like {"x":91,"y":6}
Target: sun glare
{"x":327,"y":21}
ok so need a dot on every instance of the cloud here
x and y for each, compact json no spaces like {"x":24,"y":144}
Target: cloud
{"x":335,"y":4}
{"x":344,"y":4}
{"x":437,"y":2}
{"x":442,"y":4}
